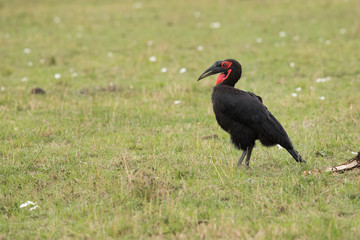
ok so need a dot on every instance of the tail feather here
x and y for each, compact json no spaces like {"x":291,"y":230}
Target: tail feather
{"x":296,"y":155}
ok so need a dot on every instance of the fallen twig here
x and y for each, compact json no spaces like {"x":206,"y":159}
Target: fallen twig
{"x":349,"y":165}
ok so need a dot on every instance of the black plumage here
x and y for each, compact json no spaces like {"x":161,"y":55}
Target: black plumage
{"x":243,"y":115}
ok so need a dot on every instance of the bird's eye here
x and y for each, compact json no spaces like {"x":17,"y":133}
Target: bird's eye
{"x":224,"y":65}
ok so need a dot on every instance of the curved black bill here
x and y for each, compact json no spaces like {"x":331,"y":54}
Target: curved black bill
{"x":214,"y":69}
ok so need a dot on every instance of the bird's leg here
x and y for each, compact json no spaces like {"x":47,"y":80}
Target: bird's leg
{"x":242,"y":158}
{"x":249,"y":150}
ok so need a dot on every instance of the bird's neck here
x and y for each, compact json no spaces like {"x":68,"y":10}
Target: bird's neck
{"x":228,"y":79}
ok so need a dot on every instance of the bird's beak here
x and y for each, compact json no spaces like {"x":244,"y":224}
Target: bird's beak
{"x":214,"y":69}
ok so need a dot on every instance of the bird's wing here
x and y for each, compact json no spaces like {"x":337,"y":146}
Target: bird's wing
{"x":248,"y":109}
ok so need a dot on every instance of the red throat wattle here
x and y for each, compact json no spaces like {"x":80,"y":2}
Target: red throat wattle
{"x":223,"y":77}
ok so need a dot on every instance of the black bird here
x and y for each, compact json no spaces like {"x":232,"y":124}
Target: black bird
{"x":242,"y":114}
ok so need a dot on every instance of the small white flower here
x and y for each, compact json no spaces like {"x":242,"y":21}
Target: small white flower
{"x":294,"y":94}
{"x":15,"y":129}
{"x":27,"y":50}
{"x":182,"y":70}
{"x":282,"y":34}
{"x":26,"y":204}
{"x":177,"y":102}
{"x":322,"y":98}
{"x":57,"y":19}
{"x":342,"y":31}
{"x":311,"y":88}
{"x":109,"y":54}
{"x":163,"y":70}
{"x":152,"y":59}
{"x":327,"y":42}
{"x":319,"y":80}
{"x":2,"y":88}
{"x":200,"y":48}
{"x":30,"y":64}
{"x":296,"y":38}
{"x":24,"y":79}
{"x":292,"y":64}
{"x":150,"y":43}
{"x":215,"y":25}
{"x":33,"y":208}
{"x":74,"y":74}
{"x":259,"y":40}
{"x":197,"y":14}
{"x":298,"y":89}
{"x":57,"y":76}
{"x":42,"y":60}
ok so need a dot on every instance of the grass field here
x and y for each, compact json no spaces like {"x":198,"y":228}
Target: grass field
{"x":114,"y":149}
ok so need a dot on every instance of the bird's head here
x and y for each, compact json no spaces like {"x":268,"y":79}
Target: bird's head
{"x":229,"y":69}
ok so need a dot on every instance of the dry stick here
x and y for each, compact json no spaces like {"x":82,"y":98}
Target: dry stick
{"x":349,"y":165}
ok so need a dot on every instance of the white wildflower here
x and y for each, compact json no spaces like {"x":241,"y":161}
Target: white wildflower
{"x":163,"y":70}
{"x":292,"y":64}
{"x":294,"y":94}
{"x":200,"y":48}
{"x":215,"y":25}
{"x":298,"y":89}
{"x":24,"y":79}
{"x":26,"y":204}
{"x":319,"y":80}
{"x":109,"y":54}
{"x":259,"y":40}
{"x":342,"y":31}
{"x":321,"y":98}
{"x":27,"y":50}
{"x":33,"y":208}
{"x":182,"y":70}
{"x":57,"y":75}
{"x":177,"y":102}
{"x":282,"y":34}
{"x":57,"y":19}
{"x":152,"y":59}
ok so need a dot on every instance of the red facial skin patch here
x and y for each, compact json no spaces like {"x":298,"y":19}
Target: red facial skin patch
{"x":223,"y":77}
{"x":226,"y":64}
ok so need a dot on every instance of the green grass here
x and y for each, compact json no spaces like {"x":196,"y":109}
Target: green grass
{"x":125,"y":162}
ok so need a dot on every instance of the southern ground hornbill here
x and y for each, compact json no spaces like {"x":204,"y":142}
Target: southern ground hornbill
{"x":243,"y":115}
